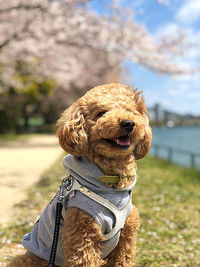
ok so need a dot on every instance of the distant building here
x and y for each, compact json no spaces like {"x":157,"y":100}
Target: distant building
{"x":159,"y":113}
{"x":172,"y":117}
{"x":159,"y":116}
{"x":156,"y":113}
{"x":151,"y":114}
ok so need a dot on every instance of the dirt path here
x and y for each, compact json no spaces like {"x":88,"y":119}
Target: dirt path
{"x":22,"y":162}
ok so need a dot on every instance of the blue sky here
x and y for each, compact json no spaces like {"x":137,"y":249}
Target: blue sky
{"x":182,"y":93}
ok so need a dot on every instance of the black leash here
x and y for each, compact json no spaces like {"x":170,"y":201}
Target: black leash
{"x":66,"y":185}
{"x":52,"y":257}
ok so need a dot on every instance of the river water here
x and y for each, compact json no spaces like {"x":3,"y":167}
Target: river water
{"x":186,"y":138}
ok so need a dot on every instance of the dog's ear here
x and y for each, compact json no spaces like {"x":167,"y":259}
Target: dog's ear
{"x":144,"y":144}
{"x":70,"y":131}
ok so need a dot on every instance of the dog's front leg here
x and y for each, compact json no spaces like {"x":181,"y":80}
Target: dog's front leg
{"x":81,"y":237}
{"x":123,"y":255}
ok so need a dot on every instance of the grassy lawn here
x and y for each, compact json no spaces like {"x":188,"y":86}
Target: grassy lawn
{"x":12,"y":136}
{"x":168,"y":200}
{"x":15,"y":137}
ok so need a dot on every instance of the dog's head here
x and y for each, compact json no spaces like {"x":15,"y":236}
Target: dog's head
{"x":109,"y":120}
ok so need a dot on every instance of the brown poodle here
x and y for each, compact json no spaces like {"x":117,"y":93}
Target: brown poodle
{"x":108,"y":129}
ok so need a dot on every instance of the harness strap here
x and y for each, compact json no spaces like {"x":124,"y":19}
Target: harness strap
{"x":70,"y":184}
{"x":120,"y":215}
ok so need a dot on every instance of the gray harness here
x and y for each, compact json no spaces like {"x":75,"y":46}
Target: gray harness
{"x":84,"y":190}
{"x":71,"y":184}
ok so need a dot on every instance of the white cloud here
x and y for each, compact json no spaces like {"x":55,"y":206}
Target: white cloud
{"x":190,"y":78}
{"x":169,"y":28}
{"x":185,"y":94}
{"x":189,"y":13}
{"x":179,"y":93}
{"x":182,"y":96}
{"x":164,"y":2}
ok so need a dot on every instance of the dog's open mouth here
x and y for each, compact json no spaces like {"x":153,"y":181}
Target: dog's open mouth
{"x":122,"y":142}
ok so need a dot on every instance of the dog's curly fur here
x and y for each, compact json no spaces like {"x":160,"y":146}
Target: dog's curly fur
{"x":90,"y":128}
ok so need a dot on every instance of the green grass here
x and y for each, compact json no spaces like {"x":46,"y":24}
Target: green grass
{"x":18,"y":137}
{"x":168,"y":200}
{"x":13,"y":136}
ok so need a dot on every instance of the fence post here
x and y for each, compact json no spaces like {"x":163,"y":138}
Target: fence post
{"x":170,"y":152}
{"x":156,"y":150}
{"x":192,"y":160}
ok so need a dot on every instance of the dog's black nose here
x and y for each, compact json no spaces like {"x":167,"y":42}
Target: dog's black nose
{"x":127,"y":125}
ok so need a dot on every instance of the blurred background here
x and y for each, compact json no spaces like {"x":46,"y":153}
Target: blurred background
{"x":51,"y":53}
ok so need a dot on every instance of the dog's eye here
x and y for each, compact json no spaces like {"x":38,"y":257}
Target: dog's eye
{"x":100,"y":114}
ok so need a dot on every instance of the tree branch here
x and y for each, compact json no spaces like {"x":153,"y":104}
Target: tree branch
{"x":27,"y":7}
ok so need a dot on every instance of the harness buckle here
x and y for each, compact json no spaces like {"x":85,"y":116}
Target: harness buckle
{"x":67,"y":184}
{"x":122,"y":176}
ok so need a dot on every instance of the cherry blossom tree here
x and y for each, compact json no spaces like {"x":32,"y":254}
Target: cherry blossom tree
{"x":67,"y":41}
{"x":64,"y":44}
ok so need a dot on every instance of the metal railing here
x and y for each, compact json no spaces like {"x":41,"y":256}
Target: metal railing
{"x":156,"y":149}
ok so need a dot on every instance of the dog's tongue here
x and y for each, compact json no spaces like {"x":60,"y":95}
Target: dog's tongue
{"x":123,"y":141}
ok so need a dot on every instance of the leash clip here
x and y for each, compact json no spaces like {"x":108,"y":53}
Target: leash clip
{"x":67,"y":184}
